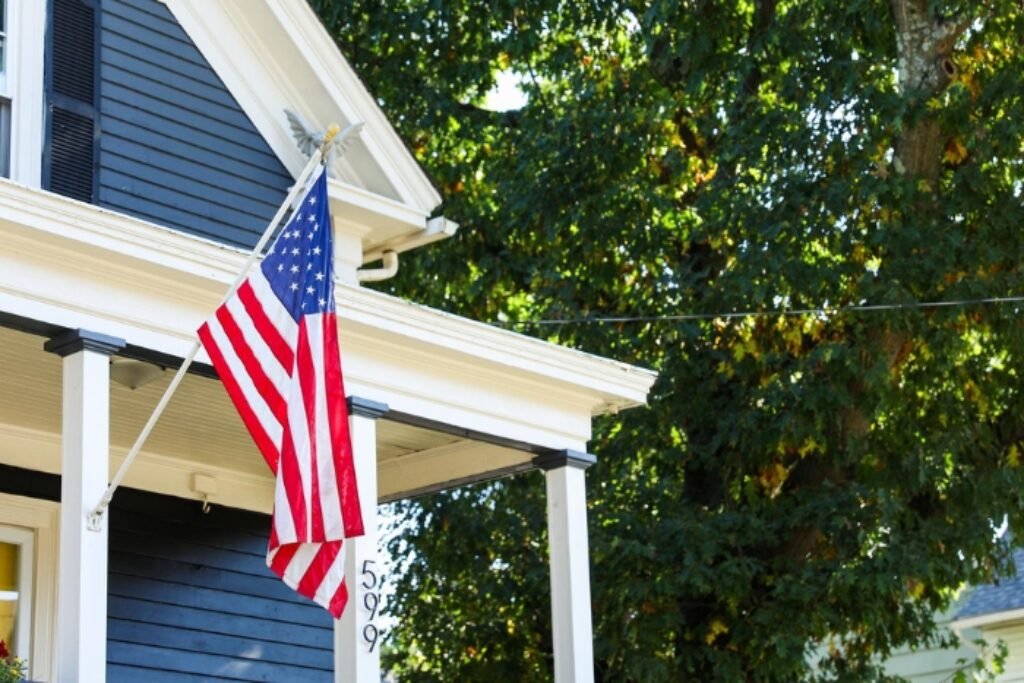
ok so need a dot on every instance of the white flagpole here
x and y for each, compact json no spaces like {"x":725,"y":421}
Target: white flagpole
{"x":300,"y":184}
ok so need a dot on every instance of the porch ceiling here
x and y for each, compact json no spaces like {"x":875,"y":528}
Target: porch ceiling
{"x":201,"y":432}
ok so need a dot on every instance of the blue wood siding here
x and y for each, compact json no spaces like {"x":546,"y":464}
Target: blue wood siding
{"x":190,"y":597}
{"x":175,"y":147}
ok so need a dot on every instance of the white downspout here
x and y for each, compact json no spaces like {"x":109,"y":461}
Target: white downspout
{"x":437,"y":228}
{"x":390,"y":268}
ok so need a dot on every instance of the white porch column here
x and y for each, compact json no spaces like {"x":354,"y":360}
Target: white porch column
{"x":572,"y":630}
{"x":85,"y":447}
{"x":357,"y":636}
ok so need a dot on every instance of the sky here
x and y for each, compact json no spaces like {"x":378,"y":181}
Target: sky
{"x":506,"y":93}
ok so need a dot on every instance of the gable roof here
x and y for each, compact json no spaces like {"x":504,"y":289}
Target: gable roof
{"x":275,"y":54}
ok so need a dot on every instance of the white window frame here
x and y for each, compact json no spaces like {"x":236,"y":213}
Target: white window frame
{"x":25,"y":540}
{"x":3,"y":73}
{"x":25,"y":50}
{"x":32,"y":524}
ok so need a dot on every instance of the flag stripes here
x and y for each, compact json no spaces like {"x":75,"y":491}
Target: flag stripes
{"x":275,"y":345}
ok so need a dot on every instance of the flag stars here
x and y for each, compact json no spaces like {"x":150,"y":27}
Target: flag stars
{"x":310,"y":290}
{"x":320,"y":277}
{"x":293,"y":269}
{"x":310,"y":218}
{"x":316,"y":251}
{"x":280,"y":267}
{"x":295,"y":251}
{"x":294,"y":287}
{"x":312,"y":200}
{"x":322,"y":301}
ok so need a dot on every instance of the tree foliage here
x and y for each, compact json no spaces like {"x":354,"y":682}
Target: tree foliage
{"x":802,"y":487}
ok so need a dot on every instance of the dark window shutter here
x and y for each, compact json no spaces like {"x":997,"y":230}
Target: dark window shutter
{"x":69,"y":163}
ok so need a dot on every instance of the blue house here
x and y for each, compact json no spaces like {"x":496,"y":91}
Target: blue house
{"x":145,"y":147}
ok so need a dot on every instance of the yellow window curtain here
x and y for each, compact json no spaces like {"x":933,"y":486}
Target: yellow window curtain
{"x":8,"y":593}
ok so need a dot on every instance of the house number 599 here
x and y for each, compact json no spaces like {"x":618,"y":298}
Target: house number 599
{"x":371,"y":602}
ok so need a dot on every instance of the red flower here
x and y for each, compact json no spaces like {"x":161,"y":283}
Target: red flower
{"x":4,"y":652}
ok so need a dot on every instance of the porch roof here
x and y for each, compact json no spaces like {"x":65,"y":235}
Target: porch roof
{"x":470,"y":401}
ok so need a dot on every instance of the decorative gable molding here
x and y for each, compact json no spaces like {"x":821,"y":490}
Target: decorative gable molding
{"x":275,"y":54}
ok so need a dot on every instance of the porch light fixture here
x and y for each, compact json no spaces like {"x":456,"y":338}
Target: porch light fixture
{"x":132,"y":373}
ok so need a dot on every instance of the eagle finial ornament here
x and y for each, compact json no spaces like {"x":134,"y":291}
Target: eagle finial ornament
{"x":308,"y":140}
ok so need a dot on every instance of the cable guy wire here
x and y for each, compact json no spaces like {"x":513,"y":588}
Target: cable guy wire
{"x":859,"y":308}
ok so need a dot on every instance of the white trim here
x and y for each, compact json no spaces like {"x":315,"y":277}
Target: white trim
{"x":437,"y":229}
{"x":88,"y":225}
{"x":84,"y":551}
{"x":571,"y":626}
{"x":141,"y":258}
{"x":354,"y":661}
{"x":356,"y":204}
{"x":420,"y":325}
{"x":459,"y":461}
{"x":26,"y":27}
{"x":39,"y":518}
{"x":4,"y":34}
{"x":25,"y":540}
{"x":38,"y":450}
{"x":988,"y":620}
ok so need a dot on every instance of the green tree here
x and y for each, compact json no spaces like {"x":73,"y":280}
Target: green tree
{"x":823,"y":480}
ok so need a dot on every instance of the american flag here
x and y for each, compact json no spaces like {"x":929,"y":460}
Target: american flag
{"x":274,"y":344}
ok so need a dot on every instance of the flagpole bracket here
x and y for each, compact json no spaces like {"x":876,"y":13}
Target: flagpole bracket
{"x":94,"y":520}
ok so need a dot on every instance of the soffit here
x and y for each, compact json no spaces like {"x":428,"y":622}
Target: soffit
{"x":201,"y":432}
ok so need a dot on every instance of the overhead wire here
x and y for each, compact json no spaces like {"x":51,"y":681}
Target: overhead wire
{"x":821,"y":311}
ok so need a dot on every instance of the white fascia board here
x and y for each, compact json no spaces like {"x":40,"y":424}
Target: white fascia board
{"x":273,"y":54}
{"x":119,"y":268}
{"x":39,"y":210}
{"x":37,"y":450}
{"x":988,"y":620}
{"x":424,"y":325}
{"x":368,"y":208}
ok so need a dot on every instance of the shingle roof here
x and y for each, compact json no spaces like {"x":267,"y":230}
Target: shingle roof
{"x":1006,"y":594}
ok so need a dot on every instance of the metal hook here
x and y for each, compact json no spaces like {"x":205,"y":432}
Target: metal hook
{"x":206,"y":505}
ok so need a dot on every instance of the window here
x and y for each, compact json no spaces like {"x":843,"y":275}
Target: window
{"x":28,"y":564}
{"x":22,"y":47}
{"x":5,"y":98}
{"x":3,"y":44}
{"x":16,"y":573}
